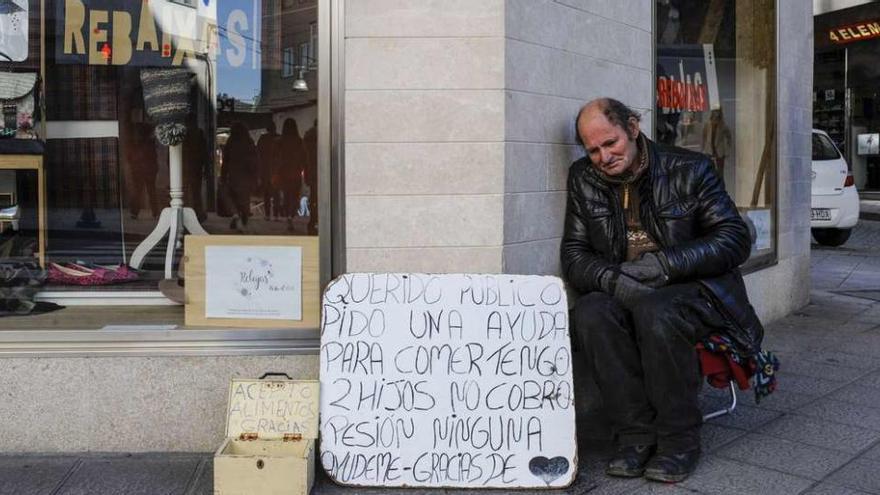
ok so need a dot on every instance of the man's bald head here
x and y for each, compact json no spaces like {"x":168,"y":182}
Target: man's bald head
{"x":614,"y":110}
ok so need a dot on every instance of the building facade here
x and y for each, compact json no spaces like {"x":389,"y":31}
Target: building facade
{"x":428,"y":137}
{"x":845,"y":99}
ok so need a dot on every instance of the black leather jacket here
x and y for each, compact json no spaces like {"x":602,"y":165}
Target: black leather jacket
{"x":686,"y":210}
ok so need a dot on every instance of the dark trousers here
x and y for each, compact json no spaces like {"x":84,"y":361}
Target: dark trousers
{"x":645,"y":364}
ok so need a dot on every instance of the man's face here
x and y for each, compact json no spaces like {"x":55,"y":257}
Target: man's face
{"x":609,"y":147}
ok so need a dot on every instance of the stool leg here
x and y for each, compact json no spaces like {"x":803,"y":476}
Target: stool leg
{"x":725,"y":410}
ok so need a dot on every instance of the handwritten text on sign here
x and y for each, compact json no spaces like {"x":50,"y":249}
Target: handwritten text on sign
{"x":272,"y":408}
{"x":447,"y":381}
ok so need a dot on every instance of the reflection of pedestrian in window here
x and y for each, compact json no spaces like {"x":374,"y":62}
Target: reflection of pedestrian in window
{"x":716,"y":139}
{"x":238,"y":174}
{"x":287,"y":176}
{"x":310,"y":143}
{"x":688,"y":130}
{"x":267,"y":153}
{"x":669,"y":18}
{"x":304,"y":193}
{"x":140,"y":153}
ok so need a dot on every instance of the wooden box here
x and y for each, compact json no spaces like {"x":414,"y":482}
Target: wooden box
{"x":271,"y":427}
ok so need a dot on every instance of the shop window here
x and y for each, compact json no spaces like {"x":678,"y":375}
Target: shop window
{"x":244,"y":118}
{"x":716,"y":94}
{"x":846,"y":104}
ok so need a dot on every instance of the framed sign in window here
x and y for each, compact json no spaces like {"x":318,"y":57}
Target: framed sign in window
{"x":252,"y":281}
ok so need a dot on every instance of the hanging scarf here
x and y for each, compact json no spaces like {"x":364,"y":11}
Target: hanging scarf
{"x":761,"y":367}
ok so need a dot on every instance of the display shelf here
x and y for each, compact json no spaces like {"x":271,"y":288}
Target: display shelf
{"x":35,"y":163}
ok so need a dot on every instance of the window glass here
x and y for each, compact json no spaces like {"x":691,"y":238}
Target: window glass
{"x":716,"y":94}
{"x":823,"y":148}
{"x":231,"y":84}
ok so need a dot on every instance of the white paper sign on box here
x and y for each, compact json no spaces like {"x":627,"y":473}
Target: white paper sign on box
{"x":447,"y":381}
{"x":262,"y":282}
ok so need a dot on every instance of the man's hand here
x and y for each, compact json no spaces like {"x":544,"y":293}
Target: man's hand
{"x":623,"y":288}
{"x":650,"y":270}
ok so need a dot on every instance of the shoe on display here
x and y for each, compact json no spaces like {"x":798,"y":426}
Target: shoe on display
{"x":64,"y":275}
{"x":629,"y":461}
{"x":672,"y":468}
{"x":82,"y":273}
{"x":117,"y":273}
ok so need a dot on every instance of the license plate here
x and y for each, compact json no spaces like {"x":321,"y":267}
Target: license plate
{"x":820,"y":214}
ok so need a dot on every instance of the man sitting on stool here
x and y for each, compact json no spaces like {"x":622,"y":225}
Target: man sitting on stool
{"x":653,"y":242}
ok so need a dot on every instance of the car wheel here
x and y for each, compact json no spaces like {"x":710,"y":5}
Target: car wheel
{"x":831,"y":237}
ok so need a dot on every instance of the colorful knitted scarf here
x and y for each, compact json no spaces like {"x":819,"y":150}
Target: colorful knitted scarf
{"x":762,"y":366}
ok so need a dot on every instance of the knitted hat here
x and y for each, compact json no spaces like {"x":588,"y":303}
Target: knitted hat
{"x":166,"y":100}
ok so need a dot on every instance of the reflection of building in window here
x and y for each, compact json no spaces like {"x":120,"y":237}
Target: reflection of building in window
{"x":289,"y":35}
{"x":288,"y":61}
{"x":304,"y":57}
{"x":286,"y":89}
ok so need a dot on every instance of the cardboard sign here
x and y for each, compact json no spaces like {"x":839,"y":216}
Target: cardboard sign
{"x":447,"y":381}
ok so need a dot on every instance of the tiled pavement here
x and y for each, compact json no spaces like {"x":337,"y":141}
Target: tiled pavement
{"x":818,"y":434}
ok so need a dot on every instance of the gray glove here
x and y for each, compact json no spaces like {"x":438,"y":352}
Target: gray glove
{"x":623,"y":288}
{"x":650,"y":269}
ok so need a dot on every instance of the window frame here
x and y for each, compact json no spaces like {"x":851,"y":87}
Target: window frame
{"x":288,"y":62}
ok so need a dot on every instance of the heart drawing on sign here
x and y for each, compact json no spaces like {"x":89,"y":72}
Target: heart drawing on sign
{"x":548,"y":469}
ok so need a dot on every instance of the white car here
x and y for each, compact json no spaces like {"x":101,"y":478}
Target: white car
{"x":834,"y":208}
